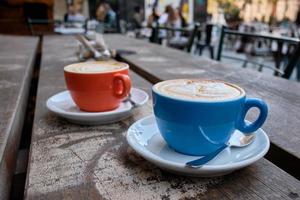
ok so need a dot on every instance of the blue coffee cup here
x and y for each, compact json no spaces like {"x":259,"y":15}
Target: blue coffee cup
{"x":199,"y":127}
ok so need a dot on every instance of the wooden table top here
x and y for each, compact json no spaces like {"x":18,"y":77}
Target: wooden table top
{"x":69,"y":161}
{"x":17,"y":56}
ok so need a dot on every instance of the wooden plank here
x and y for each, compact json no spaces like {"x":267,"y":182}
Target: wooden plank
{"x":17,"y":55}
{"x":158,"y":63}
{"x":69,"y":161}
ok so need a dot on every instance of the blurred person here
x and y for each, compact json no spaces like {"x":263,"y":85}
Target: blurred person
{"x":111,"y":16}
{"x":101,"y":12}
{"x":153,"y":18}
{"x":162,"y":20}
{"x":256,"y":24}
{"x":152,"y":21}
{"x":73,"y":14}
{"x":138,"y":17}
{"x":285,"y":23}
{"x":173,"y":19}
{"x":137,"y":21}
{"x":297,"y":21}
{"x":106,"y":15}
{"x":182,"y":19}
{"x":169,"y":18}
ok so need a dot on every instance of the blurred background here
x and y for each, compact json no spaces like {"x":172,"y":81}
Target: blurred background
{"x":15,"y":14}
{"x":259,"y":34}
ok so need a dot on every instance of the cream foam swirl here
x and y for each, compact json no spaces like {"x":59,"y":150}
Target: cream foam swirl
{"x":208,"y":90}
{"x":95,"y":67}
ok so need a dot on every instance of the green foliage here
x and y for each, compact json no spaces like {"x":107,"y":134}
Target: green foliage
{"x":230,"y":9}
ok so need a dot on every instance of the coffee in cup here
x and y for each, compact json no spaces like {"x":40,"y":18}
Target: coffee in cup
{"x":205,"y":90}
{"x":98,"y":86}
{"x":196,"y":117}
{"x":94,"y":67}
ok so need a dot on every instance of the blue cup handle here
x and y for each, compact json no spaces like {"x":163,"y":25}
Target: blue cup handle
{"x":250,"y":103}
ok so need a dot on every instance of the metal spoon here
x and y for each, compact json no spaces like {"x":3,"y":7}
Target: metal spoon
{"x":129,"y":98}
{"x":235,"y":141}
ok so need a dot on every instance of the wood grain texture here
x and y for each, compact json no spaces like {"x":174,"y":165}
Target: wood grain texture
{"x":17,"y":56}
{"x":158,"y":63}
{"x":69,"y":161}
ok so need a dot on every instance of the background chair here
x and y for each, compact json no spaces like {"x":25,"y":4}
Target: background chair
{"x":186,"y":44}
{"x":293,"y":56}
{"x":201,"y":45}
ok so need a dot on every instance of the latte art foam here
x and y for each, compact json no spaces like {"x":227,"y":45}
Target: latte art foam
{"x":95,"y":67}
{"x":208,"y":90}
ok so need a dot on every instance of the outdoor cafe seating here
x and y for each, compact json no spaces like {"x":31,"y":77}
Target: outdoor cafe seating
{"x":114,"y":100}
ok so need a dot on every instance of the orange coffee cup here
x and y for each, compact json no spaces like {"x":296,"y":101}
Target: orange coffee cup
{"x":98,"y":86}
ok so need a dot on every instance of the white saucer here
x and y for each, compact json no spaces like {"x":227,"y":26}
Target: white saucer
{"x":63,"y":105}
{"x":144,"y":137}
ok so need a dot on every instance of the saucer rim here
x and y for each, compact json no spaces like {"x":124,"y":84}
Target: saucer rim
{"x":180,"y":166}
{"x":59,"y":111}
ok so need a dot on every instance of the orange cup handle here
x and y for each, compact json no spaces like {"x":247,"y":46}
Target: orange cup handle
{"x":126,"y":85}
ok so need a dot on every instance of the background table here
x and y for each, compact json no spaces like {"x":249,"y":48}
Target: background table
{"x":69,"y":161}
{"x":17,"y":56}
